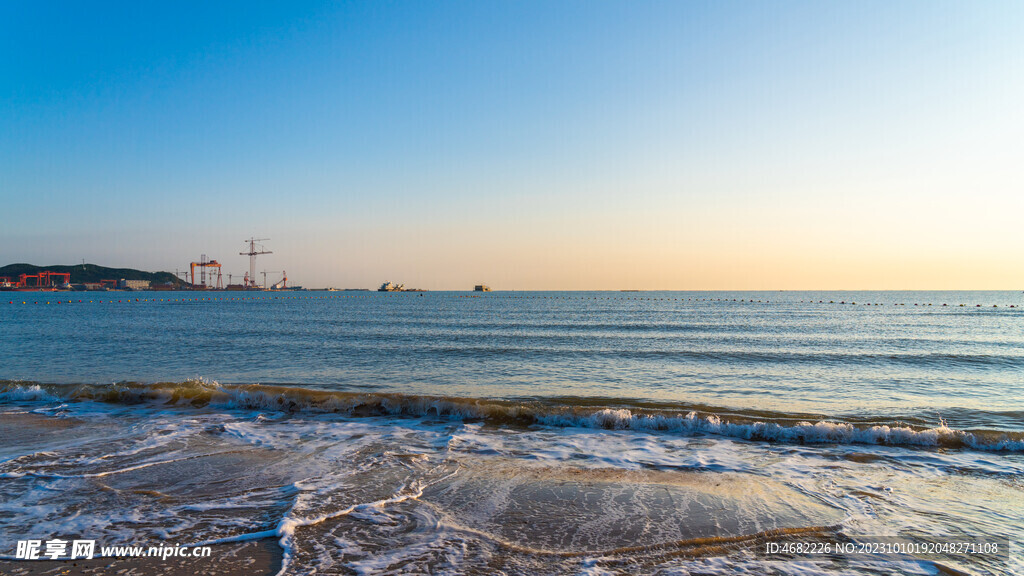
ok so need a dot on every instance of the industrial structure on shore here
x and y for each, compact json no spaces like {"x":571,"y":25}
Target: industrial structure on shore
{"x":210,"y":276}
{"x":48,"y":281}
{"x":44,"y":280}
{"x":248,"y":281}
{"x":203,"y":264}
{"x":203,"y":274}
{"x":254,"y":250}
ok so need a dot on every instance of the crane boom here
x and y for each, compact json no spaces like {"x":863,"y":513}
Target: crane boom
{"x":252,"y":254}
{"x":203,"y":264}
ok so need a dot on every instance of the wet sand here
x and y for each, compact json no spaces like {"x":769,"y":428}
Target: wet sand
{"x":398,"y":495}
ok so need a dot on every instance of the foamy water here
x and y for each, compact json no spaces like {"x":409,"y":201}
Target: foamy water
{"x":524,"y":434}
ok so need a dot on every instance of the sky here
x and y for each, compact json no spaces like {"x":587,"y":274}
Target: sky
{"x":546,"y":145}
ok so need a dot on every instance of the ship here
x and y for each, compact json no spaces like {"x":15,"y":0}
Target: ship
{"x":391,"y":287}
{"x":482,"y":288}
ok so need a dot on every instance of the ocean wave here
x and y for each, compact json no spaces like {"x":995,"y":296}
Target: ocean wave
{"x":559,"y":413}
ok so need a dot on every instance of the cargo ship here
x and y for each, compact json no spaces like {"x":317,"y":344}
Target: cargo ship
{"x":392,"y":287}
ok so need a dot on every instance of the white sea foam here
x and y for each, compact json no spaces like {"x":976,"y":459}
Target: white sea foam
{"x":27,"y":393}
{"x":822,"y":432}
{"x":869,"y":484}
{"x":273,"y":399}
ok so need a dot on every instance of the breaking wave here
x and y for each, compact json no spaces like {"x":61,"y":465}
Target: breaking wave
{"x":767,"y":427}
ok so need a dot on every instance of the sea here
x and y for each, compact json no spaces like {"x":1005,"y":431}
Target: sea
{"x":684,"y":433}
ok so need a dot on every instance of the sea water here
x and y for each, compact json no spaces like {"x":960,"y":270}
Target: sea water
{"x":533,"y":432}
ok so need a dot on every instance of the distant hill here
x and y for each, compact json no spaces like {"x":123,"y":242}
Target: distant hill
{"x":92,"y":273}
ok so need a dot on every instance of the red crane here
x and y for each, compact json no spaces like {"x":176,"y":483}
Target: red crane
{"x":203,"y":264}
{"x":43,"y":280}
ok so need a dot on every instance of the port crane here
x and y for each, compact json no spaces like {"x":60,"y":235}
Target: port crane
{"x":254,"y":251}
{"x":283,"y":284}
{"x":203,"y":264}
{"x":44,"y":280}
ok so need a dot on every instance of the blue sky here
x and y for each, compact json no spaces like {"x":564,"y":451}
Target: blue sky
{"x":548,"y":145}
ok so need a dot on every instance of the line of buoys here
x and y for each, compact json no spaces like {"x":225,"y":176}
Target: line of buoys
{"x":514,"y":296}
